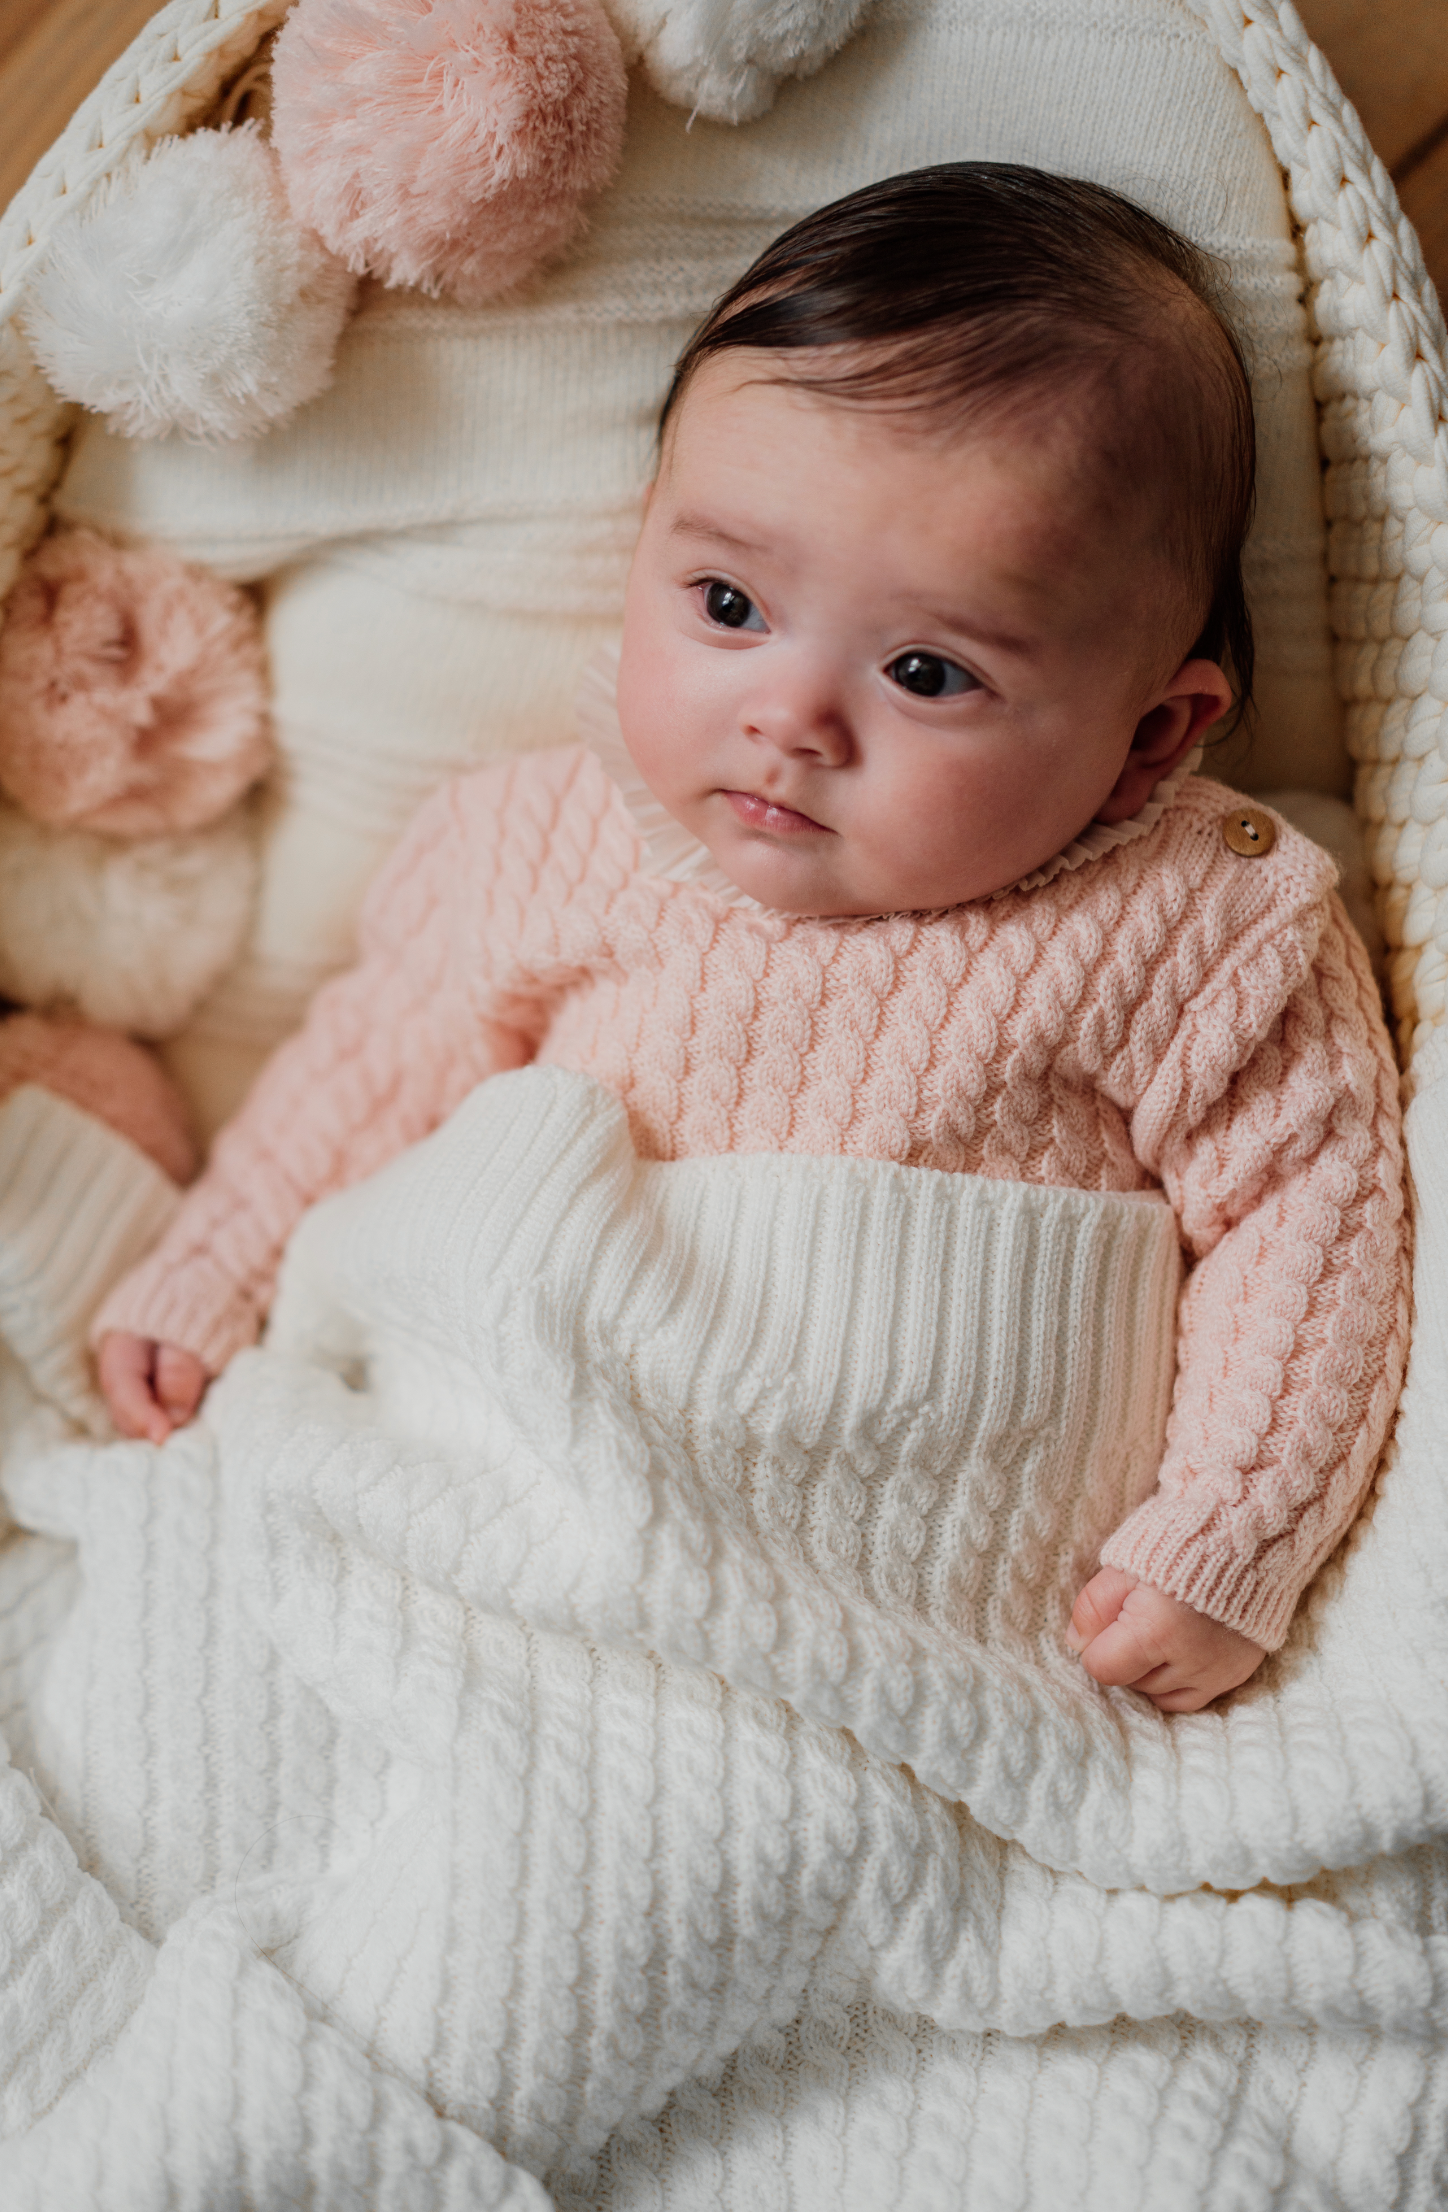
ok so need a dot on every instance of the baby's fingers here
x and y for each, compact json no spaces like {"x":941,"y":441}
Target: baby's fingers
{"x":1133,"y":1637}
{"x":125,"y":1364}
{"x":180,"y":1379}
{"x":1098,"y":1605}
{"x":1123,"y":1654}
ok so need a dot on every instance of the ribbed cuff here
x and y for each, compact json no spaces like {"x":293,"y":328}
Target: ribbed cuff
{"x":191,"y":1304}
{"x":1166,"y":1543}
{"x":78,"y":1204}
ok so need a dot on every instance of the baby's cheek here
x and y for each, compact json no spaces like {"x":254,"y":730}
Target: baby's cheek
{"x":946,"y":829}
{"x":659,"y":713}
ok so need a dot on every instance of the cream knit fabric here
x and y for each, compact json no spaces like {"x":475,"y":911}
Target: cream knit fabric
{"x":433,"y":593}
{"x":458,"y":1777}
{"x":1162,"y":1012}
{"x":78,"y":1205}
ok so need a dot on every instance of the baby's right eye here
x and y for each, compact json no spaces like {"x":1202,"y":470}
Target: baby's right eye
{"x":731,"y":608}
{"x":931,"y":677}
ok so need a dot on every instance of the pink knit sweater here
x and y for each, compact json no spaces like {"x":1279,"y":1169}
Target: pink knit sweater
{"x":1168,"y":1013}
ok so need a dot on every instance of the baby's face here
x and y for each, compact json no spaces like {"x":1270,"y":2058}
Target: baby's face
{"x":879,"y":670}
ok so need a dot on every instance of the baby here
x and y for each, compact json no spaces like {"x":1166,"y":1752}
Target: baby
{"x":927,"y":619}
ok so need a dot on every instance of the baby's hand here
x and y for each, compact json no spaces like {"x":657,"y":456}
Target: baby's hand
{"x":150,"y":1388}
{"x":1127,"y":1633}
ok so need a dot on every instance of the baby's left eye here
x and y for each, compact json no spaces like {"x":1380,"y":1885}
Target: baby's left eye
{"x":930,"y":677}
{"x":729,"y":607}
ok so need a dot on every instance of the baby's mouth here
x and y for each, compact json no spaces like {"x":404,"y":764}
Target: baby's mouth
{"x":766,"y":814}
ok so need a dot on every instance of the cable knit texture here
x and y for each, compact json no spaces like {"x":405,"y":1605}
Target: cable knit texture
{"x":1170,"y":1014}
{"x":474,"y":1745}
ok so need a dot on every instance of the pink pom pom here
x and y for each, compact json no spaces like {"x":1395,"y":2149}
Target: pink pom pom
{"x":448,"y":144}
{"x":132,"y":690}
{"x":104,"y":1074}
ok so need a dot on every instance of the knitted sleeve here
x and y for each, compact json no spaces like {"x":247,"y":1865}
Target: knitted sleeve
{"x":440,"y":998}
{"x":1287,"y":1182}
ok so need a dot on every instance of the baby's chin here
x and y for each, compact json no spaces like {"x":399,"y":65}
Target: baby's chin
{"x":832,"y":877}
{"x":832,"y":882}
{"x":801,"y":886}
{"x":795,"y":883}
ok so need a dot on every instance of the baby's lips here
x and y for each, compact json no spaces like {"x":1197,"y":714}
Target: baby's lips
{"x":767,"y":814}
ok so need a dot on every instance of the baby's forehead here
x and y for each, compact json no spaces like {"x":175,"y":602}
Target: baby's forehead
{"x":763,"y":463}
{"x":1086,"y":388}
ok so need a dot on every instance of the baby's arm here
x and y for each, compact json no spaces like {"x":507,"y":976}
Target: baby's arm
{"x":388,"y":1050}
{"x":1287,"y":1180}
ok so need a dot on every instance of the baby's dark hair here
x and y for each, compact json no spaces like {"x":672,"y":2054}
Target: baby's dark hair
{"x":976,"y":288}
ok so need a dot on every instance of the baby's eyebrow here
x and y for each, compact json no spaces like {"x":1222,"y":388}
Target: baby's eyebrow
{"x":980,"y":633}
{"x":701,"y":526}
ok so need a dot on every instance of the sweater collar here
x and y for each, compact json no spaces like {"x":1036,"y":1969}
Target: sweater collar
{"x":670,"y":850}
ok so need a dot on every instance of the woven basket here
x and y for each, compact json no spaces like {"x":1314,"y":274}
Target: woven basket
{"x":1380,"y":379}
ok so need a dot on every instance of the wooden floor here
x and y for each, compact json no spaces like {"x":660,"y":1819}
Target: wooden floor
{"x":1391,"y":56}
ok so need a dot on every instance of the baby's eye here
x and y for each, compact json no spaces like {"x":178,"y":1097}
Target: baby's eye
{"x":731,"y":608}
{"x":930,"y":677}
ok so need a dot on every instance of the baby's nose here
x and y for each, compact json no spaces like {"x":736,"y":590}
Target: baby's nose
{"x":801,"y":718}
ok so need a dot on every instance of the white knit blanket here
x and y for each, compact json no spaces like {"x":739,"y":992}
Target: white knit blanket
{"x":517,"y":1744}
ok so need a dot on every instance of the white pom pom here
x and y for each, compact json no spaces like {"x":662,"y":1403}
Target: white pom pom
{"x":187,"y":297}
{"x":724,"y":58}
{"x":131,"y":935}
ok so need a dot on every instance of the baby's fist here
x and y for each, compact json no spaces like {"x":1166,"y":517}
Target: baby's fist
{"x":1133,"y":1636}
{"x":150,"y":1388}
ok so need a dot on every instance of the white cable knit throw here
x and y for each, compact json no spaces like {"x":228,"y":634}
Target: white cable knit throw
{"x":493,"y":1710}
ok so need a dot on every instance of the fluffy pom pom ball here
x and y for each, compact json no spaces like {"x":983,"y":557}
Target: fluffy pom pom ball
{"x":132,"y":936}
{"x":448,"y":144}
{"x":188,"y":297}
{"x":132,"y":690}
{"x":726,"y":61}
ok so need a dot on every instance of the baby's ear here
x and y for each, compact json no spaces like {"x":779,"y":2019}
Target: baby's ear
{"x":1201,"y":688}
{"x":1184,"y":709}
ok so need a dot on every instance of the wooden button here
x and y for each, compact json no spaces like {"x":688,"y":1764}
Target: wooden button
{"x":1248,"y":831}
